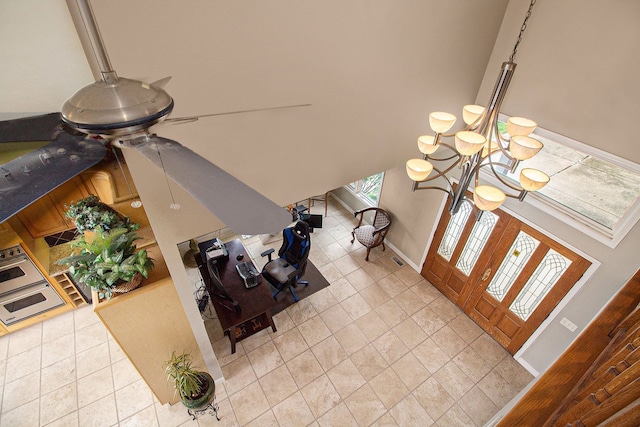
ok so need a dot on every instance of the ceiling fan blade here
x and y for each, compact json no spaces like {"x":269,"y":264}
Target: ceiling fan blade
{"x":239,"y":206}
{"x":31,"y":129}
{"x":189,"y":119}
{"x":31,"y":176}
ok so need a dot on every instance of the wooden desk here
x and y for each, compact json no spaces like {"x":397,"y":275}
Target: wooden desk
{"x":255,"y":303}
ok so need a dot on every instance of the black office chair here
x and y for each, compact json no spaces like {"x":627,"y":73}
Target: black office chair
{"x":285,"y":272}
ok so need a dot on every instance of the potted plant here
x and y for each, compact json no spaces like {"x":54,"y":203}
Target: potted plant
{"x":90,"y":213}
{"x":109,"y":261}
{"x":195,"y":388}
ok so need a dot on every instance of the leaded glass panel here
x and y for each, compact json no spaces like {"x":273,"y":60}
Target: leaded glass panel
{"x":542,"y":280}
{"x":513,"y":263}
{"x":479,"y":235}
{"x":453,"y":231}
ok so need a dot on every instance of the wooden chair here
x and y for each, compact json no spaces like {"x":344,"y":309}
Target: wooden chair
{"x":371,"y":235}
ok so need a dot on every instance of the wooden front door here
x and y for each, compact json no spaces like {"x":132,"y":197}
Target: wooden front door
{"x":505,"y":275}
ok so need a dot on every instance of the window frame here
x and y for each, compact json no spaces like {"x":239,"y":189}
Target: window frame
{"x":355,"y":188}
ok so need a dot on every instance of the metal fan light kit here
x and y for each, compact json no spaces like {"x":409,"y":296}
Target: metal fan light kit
{"x":120,"y":111}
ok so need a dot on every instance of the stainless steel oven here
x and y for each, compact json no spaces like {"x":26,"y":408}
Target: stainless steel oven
{"x":24,"y":291}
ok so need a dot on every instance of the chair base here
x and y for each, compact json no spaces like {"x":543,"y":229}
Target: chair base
{"x":290,"y":287}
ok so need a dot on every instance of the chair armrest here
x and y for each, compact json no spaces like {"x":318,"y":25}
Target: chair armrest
{"x":268,"y":252}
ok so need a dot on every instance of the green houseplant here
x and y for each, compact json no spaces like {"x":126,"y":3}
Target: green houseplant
{"x":108,"y":260}
{"x":90,"y":213}
{"x":195,"y":388}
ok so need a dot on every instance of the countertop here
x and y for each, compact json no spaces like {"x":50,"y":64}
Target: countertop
{"x":137,"y":215}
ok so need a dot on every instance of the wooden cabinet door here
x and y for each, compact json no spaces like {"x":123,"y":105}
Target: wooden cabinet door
{"x":46,"y":216}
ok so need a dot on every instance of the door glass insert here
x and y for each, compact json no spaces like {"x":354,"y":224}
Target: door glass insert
{"x":512,"y":265}
{"x":475,"y":243}
{"x":453,"y":231}
{"x":553,"y":265}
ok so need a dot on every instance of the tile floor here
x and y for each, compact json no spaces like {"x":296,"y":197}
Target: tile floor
{"x":380,"y":346}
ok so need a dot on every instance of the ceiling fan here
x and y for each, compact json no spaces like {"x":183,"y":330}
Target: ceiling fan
{"x":120,"y":111}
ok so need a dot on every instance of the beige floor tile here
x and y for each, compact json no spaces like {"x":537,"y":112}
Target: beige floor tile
{"x":514,"y":373}
{"x":4,"y":346}
{"x":346,"y":378}
{"x":256,"y":340}
{"x":226,"y":414}
{"x":392,"y":285}
{"x":430,"y":355}
{"x":268,"y":419}
{"x":489,"y":349}
{"x":389,"y":388}
{"x":24,"y":339}
{"x":265,"y":359}
{"x":410,"y":370}
{"x":115,"y":351}
{"x":456,"y":382}
{"x":455,"y":417}
{"x":478,"y":406}
{"x":391,"y":313}
{"x":372,"y":325}
{"x":320,"y":395}
{"x":57,"y":375}
{"x":339,"y":415}
{"x":133,"y":398}
{"x":23,"y":364}
{"x":374,"y":295}
{"x":147,"y":418}
{"x":376,"y":271}
{"x":322,"y":300}
{"x":238,"y":375}
{"x":410,"y":302}
{"x":356,"y":306}
{"x":304,"y":368}
{"x":290,"y":344}
{"x":351,"y":338}
{"x":369,"y":362}
{"x":95,"y":386}
{"x":318,"y":258}
{"x":391,"y":347}
{"x":365,"y":405}
{"x":335,"y":318}
{"x":69,"y":420}
{"x":408,"y":275}
{"x":314,"y":330}
{"x":222,"y":349}
{"x":470,"y":362}
{"x":449,"y":341}
{"x":293,"y":412}
{"x":466,"y":328}
{"x":428,"y":321}
{"x":341,"y":289}
{"x":249,"y":404}
{"x":426,"y":291}
{"x":90,"y":336}
{"x":329,"y":353}
{"x":278,"y":385}
{"x":346,"y":264}
{"x":497,"y":389}
{"x":359,"y":279}
{"x":434,"y":398}
{"x":445,"y":309}
{"x":57,"y":327}
{"x":283,"y":323}
{"x":333,"y":251}
{"x":26,"y":415}
{"x":409,"y":413}
{"x":58,"y":349}
{"x":58,"y":403}
{"x":84,"y":316}
{"x":410,"y":333}
{"x":385,"y":420}
{"x":17,"y":392}
{"x":171,"y":415}
{"x":301,"y":311}
{"x":101,"y":413}
{"x":124,"y":373}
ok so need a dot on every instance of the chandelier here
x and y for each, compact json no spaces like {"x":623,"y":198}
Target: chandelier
{"x":480,"y":145}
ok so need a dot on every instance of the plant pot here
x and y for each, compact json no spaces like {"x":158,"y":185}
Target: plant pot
{"x":207,"y":396}
{"x":125,"y":287}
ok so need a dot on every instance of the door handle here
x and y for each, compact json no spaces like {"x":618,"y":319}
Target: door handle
{"x":486,"y":274}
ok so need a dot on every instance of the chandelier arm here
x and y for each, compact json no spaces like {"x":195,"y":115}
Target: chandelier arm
{"x":503,"y":148}
{"x":442,"y":173}
{"x":444,"y":159}
{"x":502,"y":180}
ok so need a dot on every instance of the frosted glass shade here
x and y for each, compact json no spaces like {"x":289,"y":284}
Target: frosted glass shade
{"x":485,"y":149}
{"x":488,"y":198}
{"x":418,"y":169}
{"x":524,"y":147}
{"x":469,"y":143}
{"x":533,"y":179}
{"x":426,"y":144}
{"x":520,"y":126}
{"x":470,"y":113}
{"x":441,"y":122}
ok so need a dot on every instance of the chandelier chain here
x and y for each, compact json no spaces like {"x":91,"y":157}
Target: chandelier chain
{"x":522,"y":29}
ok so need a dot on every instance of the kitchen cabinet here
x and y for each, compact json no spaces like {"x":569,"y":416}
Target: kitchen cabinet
{"x":46,"y":215}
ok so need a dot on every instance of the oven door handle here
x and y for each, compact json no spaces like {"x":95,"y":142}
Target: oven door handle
{"x":13,"y":264}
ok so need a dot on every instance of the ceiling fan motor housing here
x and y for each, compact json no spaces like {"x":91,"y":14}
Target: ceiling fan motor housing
{"x":119,"y":108}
